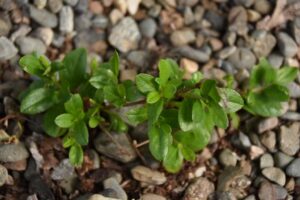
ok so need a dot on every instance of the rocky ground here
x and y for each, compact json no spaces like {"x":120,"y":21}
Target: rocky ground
{"x":261,"y":160}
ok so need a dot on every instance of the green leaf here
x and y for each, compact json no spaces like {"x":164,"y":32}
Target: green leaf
{"x":185,"y":115}
{"x":174,"y":159}
{"x":76,"y":155}
{"x":153,"y":97}
{"x":169,"y":91}
{"x":94,"y":121}
{"x":74,"y":105}
{"x":170,"y":116}
{"x":114,"y":62}
{"x":165,"y":71}
{"x":33,"y":86}
{"x":74,"y":71}
{"x":80,"y":132}
{"x":196,"y":139}
{"x":198,"y":112}
{"x":197,"y":77}
{"x":231,"y":100}
{"x":218,"y":114}
{"x":65,"y":120}
{"x":32,"y":65}
{"x":117,"y":124}
{"x":262,"y":74}
{"x":132,"y":93}
{"x":145,"y":83}
{"x":103,"y":77}
{"x":49,"y":124}
{"x":160,"y":138}
{"x":209,"y":88}
{"x":187,"y":153}
{"x":286,"y":75}
{"x":38,"y":100}
{"x":115,"y":94}
{"x":137,"y":115}
{"x":154,"y":111}
{"x":68,"y":141}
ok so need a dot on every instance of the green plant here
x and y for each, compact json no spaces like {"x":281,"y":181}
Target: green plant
{"x":180,"y":114}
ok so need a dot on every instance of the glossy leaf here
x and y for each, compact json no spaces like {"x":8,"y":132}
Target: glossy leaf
{"x":174,"y":159}
{"x":65,"y":120}
{"x":80,"y":132}
{"x":231,"y":100}
{"x":154,"y":111}
{"x":49,"y":124}
{"x":153,"y":97}
{"x":286,"y":75}
{"x":145,"y":83}
{"x":32,"y":65}
{"x":185,"y":115}
{"x":137,"y":115}
{"x":74,"y":105}
{"x":76,"y":155}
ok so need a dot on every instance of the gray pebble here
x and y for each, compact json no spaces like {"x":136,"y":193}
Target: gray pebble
{"x":40,"y":4}
{"x":58,"y":40}
{"x":199,"y":189}
{"x":3,"y":175}
{"x":275,"y":174}
{"x":23,"y":30}
{"x":228,"y":158}
{"x":268,"y":139}
{"x":293,"y":169}
{"x":71,"y":2}
{"x":217,"y":21}
{"x":139,"y":58}
{"x":104,"y":145}
{"x":5,"y":24}
{"x":278,"y":192}
{"x":82,"y":6}
{"x":193,"y":54}
{"x":112,"y":183}
{"x":296,"y":29}
{"x":100,"y":21}
{"x":148,"y":27}
{"x":287,"y":45}
{"x":43,"y":17}
{"x":267,"y":124}
{"x":294,"y":90}
{"x":55,"y":5}
{"x":289,"y":140}
{"x":262,"y":6}
{"x":28,"y":45}
{"x":262,"y":43}
{"x":64,"y":170}
{"x":87,"y":38}
{"x":13,"y":152}
{"x":82,"y":22}
{"x":275,"y":60}
{"x":242,"y":58}
{"x":45,"y":34}
{"x":282,"y":159}
{"x":125,"y":36}
{"x":66,"y":19}
{"x":7,"y":49}
{"x":266,"y":160}
{"x":292,"y":116}
{"x":226,"y":52}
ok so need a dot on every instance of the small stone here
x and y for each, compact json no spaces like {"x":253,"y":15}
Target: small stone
{"x":188,"y":16}
{"x":228,"y":158}
{"x":189,"y":67}
{"x":275,"y":174}
{"x":275,"y":60}
{"x":55,"y":5}
{"x":262,"y":43}
{"x":282,"y":159}
{"x":293,"y":168}
{"x":40,"y":4}
{"x":268,"y":139}
{"x":289,"y":140}
{"x":13,"y":152}
{"x":253,"y":16}
{"x":215,"y":44}
{"x":294,"y":90}
{"x":100,"y":21}
{"x":250,"y":197}
{"x":66,"y":19}
{"x":5,"y":25}
{"x":96,"y":7}
{"x":82,"y":6}
{"x":255,"y":152}
{"x":287,"y":45}
{"x":155,"y":10}
{"x":267,"y":124}
{"x":132,"y":6}
{"x":43,"y":17}
{"x":246,"y":3}
{"x":199,"y":189}
{"x":291,"y":116}
{"x":115,"y":16}
{"x":263,"y":6}
{"x":296,"y":29}
{"x":88,"y":39}
{"x":45,"y":34}
{"x":8,"y":5}
{"x":148,"y":27}
{"x":124,"y":153}
{"x":147,"y":175}
{"x":226,"y":52}
{"x":278,"y":192}
{"x":7,"y":49}
{"x":150,"y":196}
{"x":125,"y":36}
{"x":28,"y":45}
{"x":183,"y":37}
{"x":112,"y":183}
{"x":242,"y":58}
{"x":193,"y":54}
{"x":82,"y":22}
{"x":71,"y":2}
{"x":63,"y":171}
{"x":266,"y":160}
{"x":139,"y":58}
{"x":23,"y":30}
{"x":230,"y":38}
{"x":217,"y":21}
{"x":58,"y":40}
{"x":244,"y":140}
{"x":3,"y":175}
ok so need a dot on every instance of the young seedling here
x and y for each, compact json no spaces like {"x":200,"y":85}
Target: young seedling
{"x":180,"y":114}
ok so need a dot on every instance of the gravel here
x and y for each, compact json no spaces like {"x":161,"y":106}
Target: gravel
{"x":293,"y":168}
{"x":43,"y":17}
{"x":13,"y":152}
{"x":7,"y":49}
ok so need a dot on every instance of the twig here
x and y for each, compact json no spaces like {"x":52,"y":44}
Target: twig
{"x":138,"y":145}
{"x":139,"y":153}
{"x":12,"y":116}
